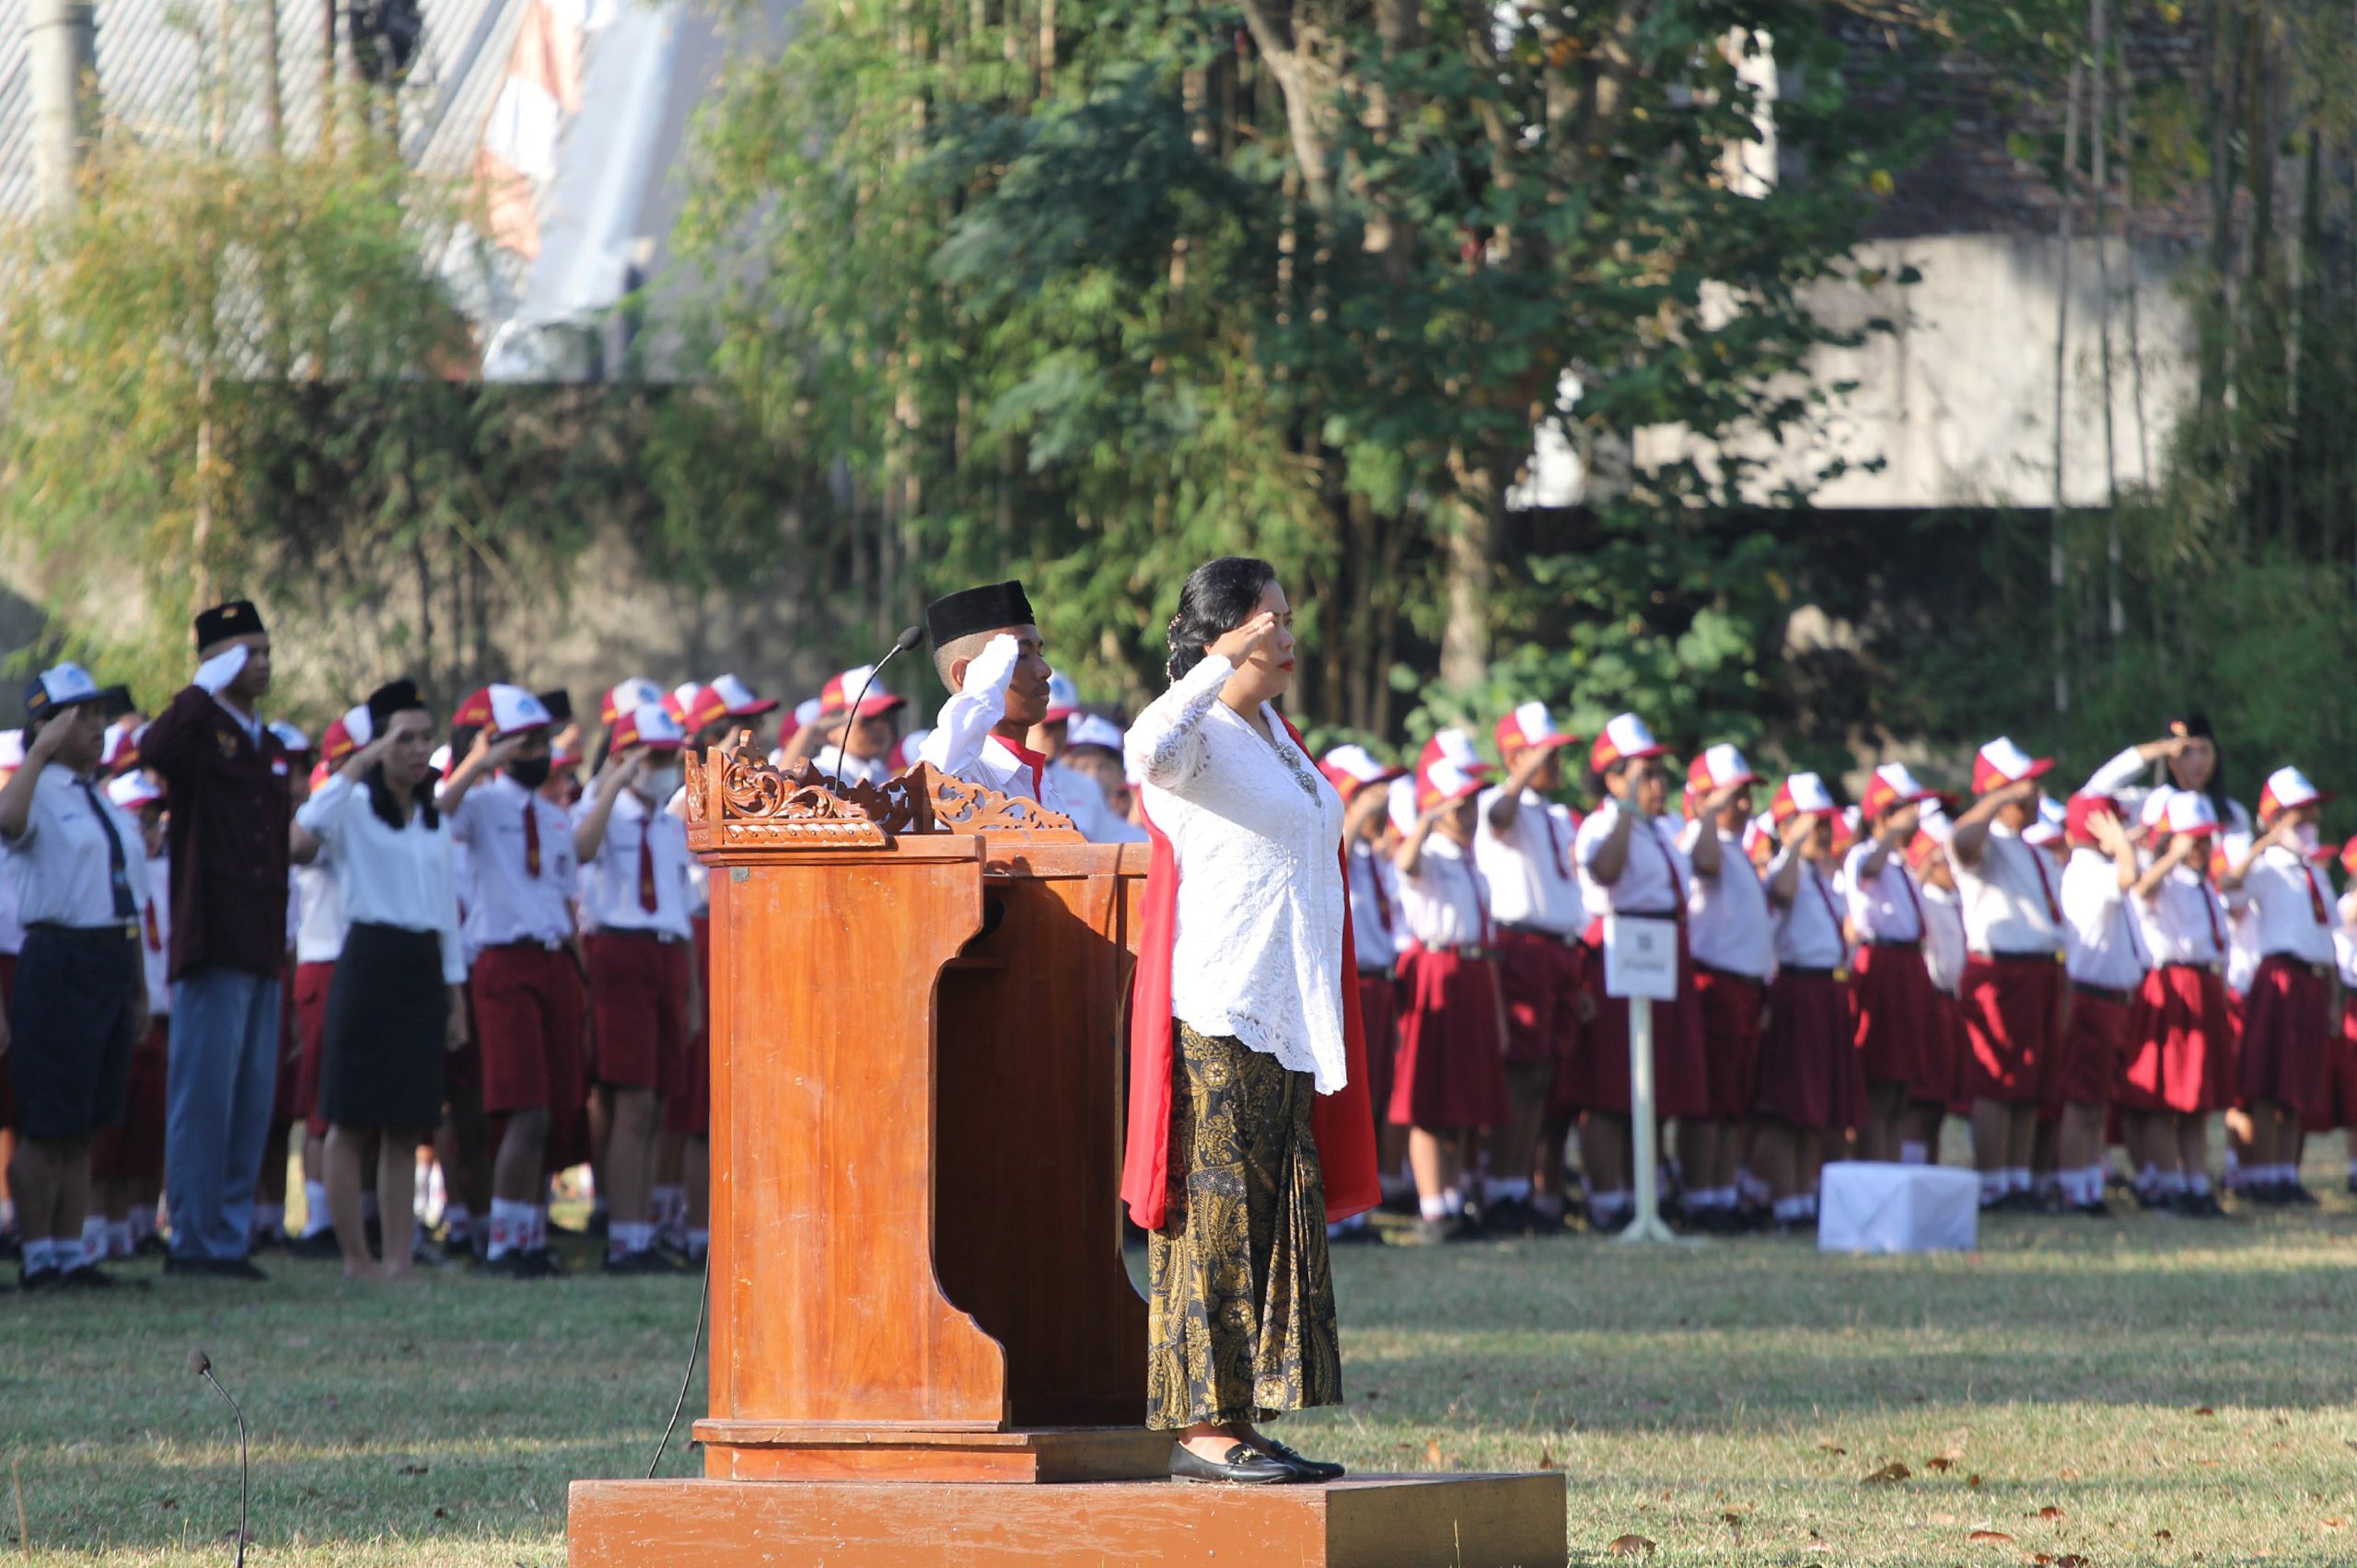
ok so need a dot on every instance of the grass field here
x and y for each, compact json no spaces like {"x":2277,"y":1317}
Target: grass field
{"x":2139,"y":1391}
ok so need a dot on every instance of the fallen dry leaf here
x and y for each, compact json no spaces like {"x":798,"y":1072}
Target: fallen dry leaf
{"x":1833,"y":1447}
{"x":2203,"y":1409}
{"x":1973,"y":1481}
{"x":1545,"y":1460}
{"x":1991,"y":1537}
{"x":2336,"y":1523}
{"x":2051,"y":1512}
{"x":1939,"y":1462}
{"x":2040,"y":1558}
{"x":1889,"y":1472}
{"x":1630,"y":1546}
{"x":1732,"y":1519}
{"x":2070,"y":1561}
{"x":1432,"y":1452}
{"x":2164,"y":1535}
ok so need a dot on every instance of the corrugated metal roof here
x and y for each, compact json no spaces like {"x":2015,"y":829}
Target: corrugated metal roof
{"x":155,"y":62}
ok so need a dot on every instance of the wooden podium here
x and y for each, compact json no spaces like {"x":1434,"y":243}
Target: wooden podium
{"x":925,"y":1344}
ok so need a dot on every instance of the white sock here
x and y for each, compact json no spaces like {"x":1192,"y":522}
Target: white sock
{"x":118,"y":1238}
{"x":2018,"y":1178}
{"x":94,"y":1235}
{"x":142,"y":1222}
{"x":1912,"y":1153}
{"x":66,"y":1253}
{"x":1992,"y":1186}
{"x":539,"y":1242}
{"x":1548,"y":1204}
{"x":8,"y":1208}
{"x":1453,"y":1198}
{"x":2197,"y":1182}
{"x":1435,"y":1208}
{"x":39,"y":1253}
{"x":1792,"y":1208}
{"x":511,"y":1226}
{"x":1606,"y":1203}
{"x":457,"y":1223}
{"x":637,"y":1237}
{"x":1499,"y":1190}
{"x":316,"y":1219}
{"x":2234,"y":1167}
{"x":1753,"y":1190}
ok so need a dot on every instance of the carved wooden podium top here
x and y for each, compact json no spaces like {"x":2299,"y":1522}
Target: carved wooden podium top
{"x":745,"y":803}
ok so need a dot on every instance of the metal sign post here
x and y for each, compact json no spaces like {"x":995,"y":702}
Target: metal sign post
{"x":1641,"y":965}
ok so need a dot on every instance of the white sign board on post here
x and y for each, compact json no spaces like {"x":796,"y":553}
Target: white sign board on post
{"x":1641,"y":965}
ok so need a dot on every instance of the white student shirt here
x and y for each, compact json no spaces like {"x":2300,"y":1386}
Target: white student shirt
{"x":1943,"y":948}
{"x":610,"y":896}
{"x":62,"y":865}
{"x":2013,"y":899}
{"x":1256,"y":833}
{"x":505,"y":902}
{"x":12,"y":930}
{"x":1085,"y":802}
{"x":156,"y":935}
{"x":1528,"y":868}
{"x":1447,"y":900}
{"x":2344,"y":939}
{"x":1887,"y":905}
{"x":2101,"y":944}
{"x":1653,"y":878}
{"x":2285,"y":894}
{"x":841,"y":765}
{"x":1809,"y":930}
{"x":402,"y":878}
{"x":320,"y":925}
{"x":1377,"y":924}
{"x":962,"y":746}
{"x":2182,"y":923}
{"x":1728,"y":923}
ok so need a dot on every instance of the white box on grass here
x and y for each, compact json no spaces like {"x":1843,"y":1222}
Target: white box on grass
{"x":1865,"y":1206}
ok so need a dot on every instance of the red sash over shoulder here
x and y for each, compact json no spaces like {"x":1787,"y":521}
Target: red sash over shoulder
{"x":1343,"y":1124}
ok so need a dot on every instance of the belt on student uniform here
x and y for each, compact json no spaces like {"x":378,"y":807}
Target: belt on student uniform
{"x":1717,"y":973}
{"x":2322,"y":971}
{"x":635,"y":933}
{"x":128,"y":930}
{"x":534,"y":944}
{"x":1376,"y":972}
{"x":1467,"y":950}
{"x":1808,"y":971}
{"x":2110,"y":993}
{"x":2212,"y":968}
{"x":2049,"y":957}
{"x":1908,"y":944}
{"x":1562,"y":938}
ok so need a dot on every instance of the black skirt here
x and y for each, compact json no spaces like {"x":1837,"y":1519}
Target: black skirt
{"x":388,"y":1013}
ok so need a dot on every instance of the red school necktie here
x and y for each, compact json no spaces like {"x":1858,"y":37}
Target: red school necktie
{"x":2045,"y":883}
{"x":2217,"y":931}
{"x":155,"y":935}
{"x":531,"y":837}
{"x":1382,"y":904}
{"x":1555,"y":842}
{"x":2316,"y":894}
{"x":1907,"y":880}
{"x":647,"y":899}
{"x":1669,"y":862}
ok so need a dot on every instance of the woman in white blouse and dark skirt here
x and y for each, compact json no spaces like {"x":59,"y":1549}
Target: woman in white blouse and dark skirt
{"x":1244,"y":1035}
{"x":394,"y":1007}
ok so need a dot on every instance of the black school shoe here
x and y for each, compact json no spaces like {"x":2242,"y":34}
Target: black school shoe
{"x":630,"y":1264}
{"x":38,"y":1280}
{"x":1313,"y":1470}
{"x":1243,"y":1465}
{"x":217,"y":1267}
{"x":322,"y":1247}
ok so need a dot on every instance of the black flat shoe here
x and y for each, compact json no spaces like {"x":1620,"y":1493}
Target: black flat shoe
{"x":1243,"y":1465}
{"x":1315,"y":1469}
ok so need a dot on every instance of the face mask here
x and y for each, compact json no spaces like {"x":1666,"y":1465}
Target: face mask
{"x":659,"y":784}
{"x":529,"y":771}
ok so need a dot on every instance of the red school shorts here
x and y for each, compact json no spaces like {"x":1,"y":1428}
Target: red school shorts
{"x":1540,"y":978}
{"x":1810,"y":1074}
{"x":528,"y":1010}
{"x":1380,"y":1017}
{"x":310,"y":992}
{"x":2009,"y":1014}
{"x":686,"y":1090}
{"x":1598,"y":1078}
{"x":1891,"y":993}
{"x":1731,"y":1006}
{"x":2086,"y":1068}
{"x":2285,"y":1026}
{"x":638,"y":994}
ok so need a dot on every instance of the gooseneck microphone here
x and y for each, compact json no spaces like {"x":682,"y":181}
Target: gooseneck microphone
{"x":909,"y":638}
{"x":201,"y":1365}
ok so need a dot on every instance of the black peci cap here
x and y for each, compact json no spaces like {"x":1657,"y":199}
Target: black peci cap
{"x":559,"y":703}
{"x":393,"y":697}
{"x":992,"y":607}
{"x":237,"y":617}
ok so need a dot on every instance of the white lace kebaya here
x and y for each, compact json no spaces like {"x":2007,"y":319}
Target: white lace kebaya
{"x":1257,"y":832}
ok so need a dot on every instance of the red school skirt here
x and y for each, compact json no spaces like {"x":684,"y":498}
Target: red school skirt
{"x":2177,"y":1054}
{"x":135,"y":1150}
{"x":1380,"y":1017}
{"x":1730,"y":1006}
{"x":2340,"y":1087}
{"x":1451,"y":1072}
{"x":309,"y":989}
{"x":2009,"y":1011}
{"x":1540,"y":977}
{"x":2086,"y":1065}
{"x":1598,"y":1078}
{"x":1891,"y":993}
{"x":2285,"y":1018}
{"x":1939,"y":1073}
{"x":1810,"y":1074}
{"x":687,"y":1093}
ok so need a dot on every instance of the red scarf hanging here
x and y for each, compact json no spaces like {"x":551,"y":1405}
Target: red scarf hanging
{"x":532,"y":835}
{"x":1343,"y":1124}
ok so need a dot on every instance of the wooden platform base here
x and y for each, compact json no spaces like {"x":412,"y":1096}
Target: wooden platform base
{"x":766,"y":1451}
{"x":1475,"y":1521}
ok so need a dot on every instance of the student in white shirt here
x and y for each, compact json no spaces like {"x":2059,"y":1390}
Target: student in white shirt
{"x":637,"y":946}
{"x":2180,"y":1045}
{"x":1811,"y":1084}
{"x":1451,"y":1083}
{"x":1942,"y":1059}
{"x":2105,"y":956}
{"x":1524,"y":848}
{"x":1734,"y":948}
{"x":2344,"y":1061}
{"x":319,"y":942}
{"x":127,"y":1161}
{"x":1629,"y":864}
{"x":857,"y":748}
{"x":987,"y":652}
{"x":80,"y":999}
{"x":1379,"y":926}
{"x":398,"y":1001}
{"x":529,"y":1005}
{"x":1891,"y":991}
{"x":2285,"y":1064}
{"x":2013,"y":981}
{"x":1087,"y":773}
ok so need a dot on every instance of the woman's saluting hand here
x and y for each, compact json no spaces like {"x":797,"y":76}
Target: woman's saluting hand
{"x":1239,"y":646}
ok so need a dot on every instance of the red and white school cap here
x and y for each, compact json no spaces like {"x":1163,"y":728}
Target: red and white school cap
{"x":808,"y":711}
{"x":1094,"y":729}
{"x":1446,"y":779}
{"x":1936,"y":822}
{"x":695,"y":704}
{"x":291,"y":739}
{"x":1922,"y":846}
{"x":2189,"y":813}
{"x":504,"y":710}
{"x":2052,"y":821}
{"x":438,"y":764}
{"x":1063,"y":699}
{"x":1531,"y":725}
{"x":1451,"y":745}
{"x":1403,"y":803}
{"x":1349,"y":769}
{"x":1893,"y":785}
{"x":651,"y":725}
{"x":837,"y":694}
{"x":2081,"y":806}
{"x":1624,"y":739}
{"x":739,"y":699}
{"x":2001,"y":762}
{"x":346,"y":735}
{"x":134,"y":790}
{"x":122,"y":745}
{"x":1716,"y":767}
{"x":1801,"y":795}
{"x":628,"y":697}
{"x":1847,"y":826}
{"x":2288,"y":788}
{"x":1760,"y":842}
